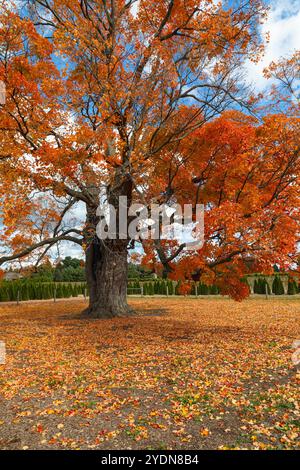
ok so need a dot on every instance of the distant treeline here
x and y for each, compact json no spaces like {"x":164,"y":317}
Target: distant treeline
{"x":73,"y":270}
{"x":67,"y":270}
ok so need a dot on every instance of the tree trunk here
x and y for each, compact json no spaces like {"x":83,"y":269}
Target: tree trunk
{"x":106,"y":269}
{"x":106,"y":260}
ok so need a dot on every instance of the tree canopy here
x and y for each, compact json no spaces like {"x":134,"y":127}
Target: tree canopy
{"x":147,"y":100}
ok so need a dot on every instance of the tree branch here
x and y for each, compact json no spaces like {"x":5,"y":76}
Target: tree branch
{"x":47,"y":241}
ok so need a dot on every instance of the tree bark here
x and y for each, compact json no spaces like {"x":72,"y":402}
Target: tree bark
{"x":106,"y":269}
{"x":106,"y":260}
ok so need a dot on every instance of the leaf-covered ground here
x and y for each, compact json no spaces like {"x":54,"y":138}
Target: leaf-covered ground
{"x":181,"y":374}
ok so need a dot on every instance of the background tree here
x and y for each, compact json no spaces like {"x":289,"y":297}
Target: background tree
{"x":247,"y":175}
{"x":69,"y":269}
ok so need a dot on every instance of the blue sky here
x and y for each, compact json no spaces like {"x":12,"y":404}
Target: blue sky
{"x":283,"y":25}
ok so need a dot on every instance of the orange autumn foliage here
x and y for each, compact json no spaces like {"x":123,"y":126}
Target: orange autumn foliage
{"x":145,"y":100}
{"x":247,"y":176}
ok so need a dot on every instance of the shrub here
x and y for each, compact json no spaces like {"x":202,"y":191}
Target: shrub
{"x":24,"y":294}
{"x":4,"y":295}
{"x":151,"y":288}
{"x":292,"y":288}
{"x":277,"y":287}
{"x":214,"y":290}
{"x":171,"y":287}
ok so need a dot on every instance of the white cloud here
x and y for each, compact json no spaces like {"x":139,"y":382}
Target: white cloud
{"x":283,"y":25}
{"x":135,"y":8}
{"x":66,"y":249}
{"x":12,"y":3}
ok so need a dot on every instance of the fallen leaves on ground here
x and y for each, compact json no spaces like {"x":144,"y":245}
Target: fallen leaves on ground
{"x":180,"y":374}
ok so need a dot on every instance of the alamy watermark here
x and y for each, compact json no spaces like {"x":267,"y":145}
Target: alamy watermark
{"x":183,"y":224}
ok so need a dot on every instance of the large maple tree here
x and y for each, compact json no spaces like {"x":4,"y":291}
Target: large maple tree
{"x":133,"y":98}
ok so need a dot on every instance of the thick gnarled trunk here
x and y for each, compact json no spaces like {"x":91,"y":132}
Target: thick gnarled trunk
{"x":106,"y":269}
{"x":106,"y":260}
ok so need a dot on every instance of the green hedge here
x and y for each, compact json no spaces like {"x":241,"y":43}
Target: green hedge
{"x":164,"y":287}
{"x":11,"y":291}
{"x":277,"y":287}
{"x":293,"y":288}
{"x":260,"y":285}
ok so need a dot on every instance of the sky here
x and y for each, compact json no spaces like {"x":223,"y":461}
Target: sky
{"x":283,"y":25}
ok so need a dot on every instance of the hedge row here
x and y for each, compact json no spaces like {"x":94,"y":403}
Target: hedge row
{"x":13,"y":291}
{"x":24,"y":290}
{"x":160,"y":287}
{"x":261,"y":285}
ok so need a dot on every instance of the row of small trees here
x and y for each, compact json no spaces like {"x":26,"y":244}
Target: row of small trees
{"x":14,"y":291}
{"x":261,"y":286}
{"x":20,"y":290}
{"x":161,"y":287}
